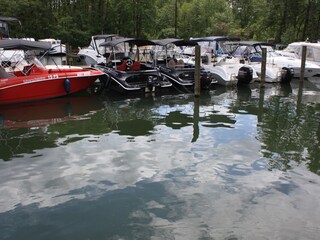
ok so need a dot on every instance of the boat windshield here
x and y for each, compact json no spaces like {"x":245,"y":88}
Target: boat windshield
{"x":214,"y":47}
{"x":30,"y":58}
{"x":240,"y":51}
{"x":273,"y":54}
{"x":316,"y":54}
{"x":290,"y":48}
{"x":95,"y":45}
{"x":165,"y":52}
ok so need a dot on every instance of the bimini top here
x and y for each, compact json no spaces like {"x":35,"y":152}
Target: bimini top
{"x":135,"y":41}
{"x":20,"y":44}
{"x":254,"y":43}
{"x":175,"y":41}
{"x":215,"y":38}
{"x":8,"y":19}
{"x":105,"y":36}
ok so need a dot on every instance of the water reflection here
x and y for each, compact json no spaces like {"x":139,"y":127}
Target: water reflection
{"x":26,"y":127}
{"x":234,"y":164}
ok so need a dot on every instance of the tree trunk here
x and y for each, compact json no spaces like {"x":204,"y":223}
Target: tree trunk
{"x":306,"y":21}
{"x":282,"y":25}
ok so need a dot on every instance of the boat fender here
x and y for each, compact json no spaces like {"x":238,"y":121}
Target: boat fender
{"x":1,"y":121}
{"x":67,"y":86}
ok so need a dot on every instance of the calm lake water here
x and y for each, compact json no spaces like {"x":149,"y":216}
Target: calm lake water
{"x":239,"y":163}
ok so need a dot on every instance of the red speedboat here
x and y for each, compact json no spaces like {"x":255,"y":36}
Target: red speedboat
{"x":28,"y":80}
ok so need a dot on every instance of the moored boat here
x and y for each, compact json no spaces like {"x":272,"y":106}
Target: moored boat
{"x":29,"y":80}
{"x":250,"y":52}
{"x":274,"y":58}
{"x":172,"y":66}
{"x":126,"y":69}
{"x":224,"y":68}
{"x":57,"y":47}
{"x":94,"y":54}
{"x":295,"y":50}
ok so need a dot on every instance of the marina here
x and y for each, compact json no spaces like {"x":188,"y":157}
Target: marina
{"x":235,"y":163}
{"x":160,"y":120}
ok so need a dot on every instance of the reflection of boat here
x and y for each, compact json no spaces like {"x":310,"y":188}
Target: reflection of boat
{"x":224,"y":68}
{"x":181,"y":74}
{"x":57,"y":48}
{"x":127,"y":72}
{"x":250,"y":52}
{"x":29,"y":80}
{"x":48,"y":112}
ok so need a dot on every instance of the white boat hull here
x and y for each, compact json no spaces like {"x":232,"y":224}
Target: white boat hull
{"x":310,"y":69}
{"x":274,"y":73}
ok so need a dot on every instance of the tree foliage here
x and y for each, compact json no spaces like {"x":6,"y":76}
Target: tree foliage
{"x":74,"y":21}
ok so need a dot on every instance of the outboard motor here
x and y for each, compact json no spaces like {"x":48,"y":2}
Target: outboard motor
{"x":205,"y":80}
{"x":245,"y":75}
{"x":286,"y":75}
{"x":151,"y":84}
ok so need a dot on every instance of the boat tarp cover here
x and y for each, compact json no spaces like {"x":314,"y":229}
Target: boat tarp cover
{"x":215,"y":38}
{"x":134,"y":41}
{"x":20,"y":44}
{"x":8,"y":19}
{"x":177,"y":42}
{"x":105,"y":36}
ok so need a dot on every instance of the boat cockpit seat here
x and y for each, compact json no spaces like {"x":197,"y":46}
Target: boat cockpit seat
{"x":171,"y":63}
{"x":27,"y":69}
{"x":122,"y":66}
{"x":136,"y":66}
{"x":255,"y":59}
{"x":180,"y":63}
{"x":5,"y":74}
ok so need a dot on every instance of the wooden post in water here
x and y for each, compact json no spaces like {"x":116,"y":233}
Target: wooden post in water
{"x":299,"y":99}
{"x":303,"y":62}
{"x":197,"y":72}
{"x":196,"y":119}
{"x":263,"y":67}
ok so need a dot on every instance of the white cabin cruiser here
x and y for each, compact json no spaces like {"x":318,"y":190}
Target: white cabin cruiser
{"x":57,"y":48}
{"x":294,"y":50}
{"x":94,"y":53}
{"x":225,"y":69}
{"x":273,"y":57}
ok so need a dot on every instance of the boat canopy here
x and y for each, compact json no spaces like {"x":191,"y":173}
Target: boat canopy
{"x":215,"y":38}
{"x":9,"y":19}
{"x":20,"y":44}
{"x":105,"y":36}
{"x":254,"y":43}
{"x":175,"y":41}
{"x":134,"y":41}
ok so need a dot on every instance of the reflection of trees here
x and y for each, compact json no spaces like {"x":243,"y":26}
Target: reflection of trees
{"x":22,"y":141}
{"x":288,"y":130}
{"x":289,"y":136}
{"x":28,"y":140}
{"x":35,"y":126}
{"x":177,"y":120}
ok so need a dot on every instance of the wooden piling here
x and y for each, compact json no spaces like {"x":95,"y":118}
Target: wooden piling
{"x":303,"y":62}
{"x":197,"y":71}
{"x":196,"y":111}
{"x":263,"y":66}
